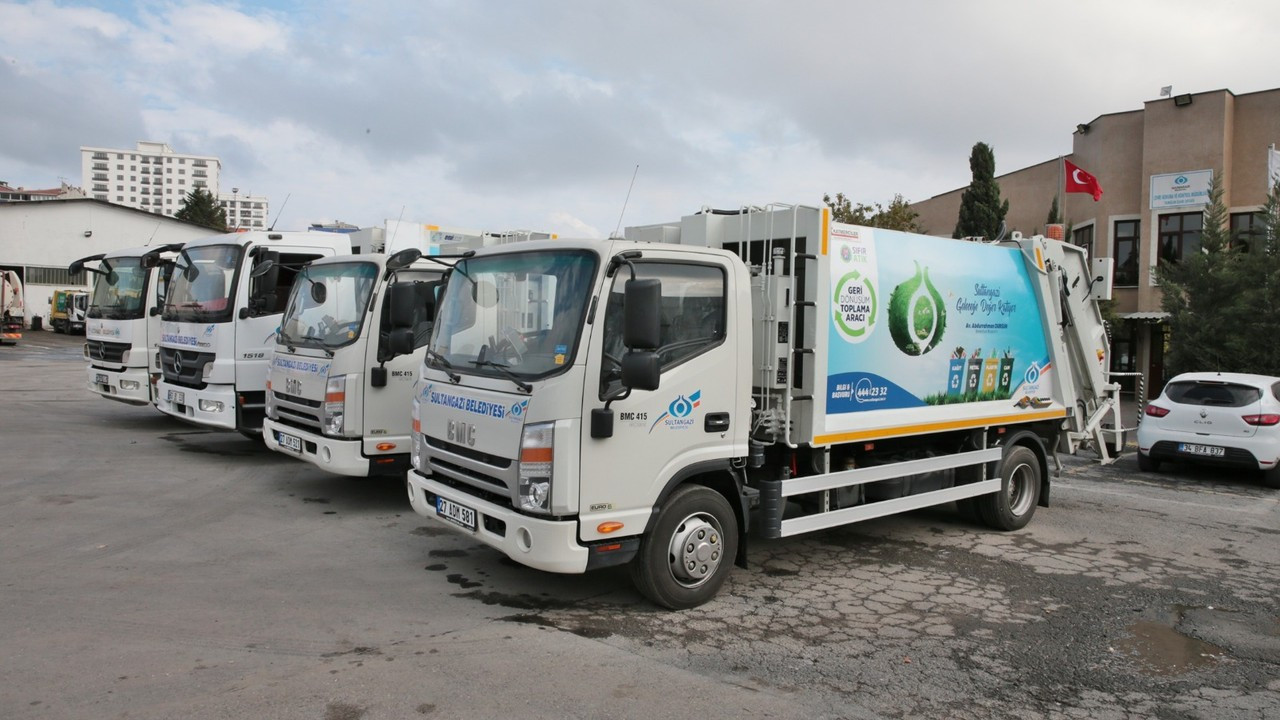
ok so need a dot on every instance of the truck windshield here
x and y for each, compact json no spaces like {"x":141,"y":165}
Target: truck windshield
{"x":121,"y":293}
{"x":203,"y":284}
{"x":327,"y":305}
{"x":518,"y":313}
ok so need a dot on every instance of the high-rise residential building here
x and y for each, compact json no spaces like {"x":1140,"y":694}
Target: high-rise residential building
{"x":244,"y":211}
{"x":151,"y":177}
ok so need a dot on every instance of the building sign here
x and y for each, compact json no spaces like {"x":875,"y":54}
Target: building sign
{"x":1180,"y":189}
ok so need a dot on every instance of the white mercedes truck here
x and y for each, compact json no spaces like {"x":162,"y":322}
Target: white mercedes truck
{"x":219,"y":322}
{"x":340,"y":383}
{"x":647,"y":401}
{"x":122,"y":325}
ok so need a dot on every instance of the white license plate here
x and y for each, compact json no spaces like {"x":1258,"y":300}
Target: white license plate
{"x":449,"y":510}
{"x":289,"y":442}
{"x":1206,"y":450}
{"x":100,"y":379}
{"x":177,"y":397}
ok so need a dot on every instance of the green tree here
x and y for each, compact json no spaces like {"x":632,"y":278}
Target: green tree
{"x":1201,"y":291}
{"x":897,"y":216}
{"x":201,"y":207}
{"x":1254,"y":315}
{"x":1055,"y":215}
{"x":981,"y":210}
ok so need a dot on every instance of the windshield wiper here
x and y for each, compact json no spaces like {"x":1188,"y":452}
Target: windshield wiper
{"x":505,"y":373}
{"x":312,"y":338}
{"x":448,"y":369}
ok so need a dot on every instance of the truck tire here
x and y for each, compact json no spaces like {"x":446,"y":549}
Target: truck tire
{"x":685,"y":560}
{"x":1147,"y":464}
{"x":1012,"y":507}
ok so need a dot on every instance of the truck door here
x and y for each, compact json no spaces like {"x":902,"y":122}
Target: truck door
{"x":660,"y":434}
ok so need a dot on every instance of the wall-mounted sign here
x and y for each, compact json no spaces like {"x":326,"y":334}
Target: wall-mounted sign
{"x":1180,"y":189}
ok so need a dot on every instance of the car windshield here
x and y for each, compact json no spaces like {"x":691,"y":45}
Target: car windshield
{"x":203,"y":284}
{"x":121,"y":293}
{"x":327,"y":305}
{"x":518,"y":313}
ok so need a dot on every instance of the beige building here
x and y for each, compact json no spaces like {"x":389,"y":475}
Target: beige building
{"x":1154,"y":166}
{"x":244,"y":210}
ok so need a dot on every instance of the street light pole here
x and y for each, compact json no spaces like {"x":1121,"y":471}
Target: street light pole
{"x":235,"y":195}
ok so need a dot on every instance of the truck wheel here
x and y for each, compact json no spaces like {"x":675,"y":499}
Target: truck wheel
{"x":689,"y":554}
{"x":1148,"y":464}
{"x":1012,"y":507}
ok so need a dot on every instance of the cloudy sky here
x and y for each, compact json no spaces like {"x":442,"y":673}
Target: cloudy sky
{"x":534,"y":114}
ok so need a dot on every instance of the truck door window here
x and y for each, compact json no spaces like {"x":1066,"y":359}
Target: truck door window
{"x":290,"y":264}
{"x":693,"y":315}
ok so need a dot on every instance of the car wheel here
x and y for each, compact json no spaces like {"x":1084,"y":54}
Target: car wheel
{"x":1271,"y":478}
{"x":1147,"y":464}
{"x":689,"y":554}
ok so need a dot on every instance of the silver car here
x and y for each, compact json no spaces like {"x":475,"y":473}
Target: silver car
{"x":1229,"y":420}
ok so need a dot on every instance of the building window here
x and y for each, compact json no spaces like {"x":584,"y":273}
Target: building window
{"x":99,"y":156}
{"x":119,"y":198}
{"x":119,"y":167}
{"x":1244,"y":228}
{"x":119,"y":156}
{"x":53,"y":276}
{"x":1083,"y":237}
{"x":1125,"y":252}
{"x":1180,"y":235}
{"x":182,"y":161}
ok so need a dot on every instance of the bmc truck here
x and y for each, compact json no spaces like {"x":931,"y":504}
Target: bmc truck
{"x":12,"y":312}
{"x":584,"y":404}
{"x":219,"y":322}
{"x":122,"y":327}
{"x":340,"y":382}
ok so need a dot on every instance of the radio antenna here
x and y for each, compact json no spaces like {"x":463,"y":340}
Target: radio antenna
{"x":627,"y":200}
{"x":392,"y":241}
{"x":286,"y":202}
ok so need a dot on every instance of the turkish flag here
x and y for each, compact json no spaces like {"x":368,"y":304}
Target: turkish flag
{"x":1080,"y":181}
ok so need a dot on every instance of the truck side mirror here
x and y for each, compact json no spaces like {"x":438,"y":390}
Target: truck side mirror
{"x":642,"y":314}
{"x":640,"y":370}
{"x":400,"y":341}
{"x":402,"y":301}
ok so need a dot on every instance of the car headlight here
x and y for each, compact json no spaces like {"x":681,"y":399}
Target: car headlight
{"x":335,"y":404}
{"x":537,"y":450}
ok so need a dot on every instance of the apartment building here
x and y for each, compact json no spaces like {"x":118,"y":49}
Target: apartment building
{"x":1154,"y":166}
{"x":244,"y":210}
{"x":151,"y":177}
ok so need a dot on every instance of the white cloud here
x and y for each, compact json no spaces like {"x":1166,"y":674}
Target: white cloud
{"x":524,"y":115}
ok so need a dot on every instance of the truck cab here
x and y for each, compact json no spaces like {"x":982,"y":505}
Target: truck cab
{"x":219,"y":322}
{"x":122,"y":323}
{"x":340,"y":383}
{"x":12,"y":310}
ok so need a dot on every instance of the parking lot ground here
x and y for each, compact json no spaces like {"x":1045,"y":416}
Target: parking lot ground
{"x":152,"y":569}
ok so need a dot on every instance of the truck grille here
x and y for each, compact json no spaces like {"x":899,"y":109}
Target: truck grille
{"x":184,"y":367}
{"x":106,"y":352}
{"x":297,"y":411}
{"x":466,"y":452}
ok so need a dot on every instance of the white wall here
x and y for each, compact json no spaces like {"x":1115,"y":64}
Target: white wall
{"x":56,"y":233}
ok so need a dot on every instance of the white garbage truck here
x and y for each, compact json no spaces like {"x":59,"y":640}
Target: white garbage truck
{"x":122,"y":325}
{"x":350,"y":342}
{"x":647,"y":401}
{"x":340,"y":384}
{"x":219,"y":322}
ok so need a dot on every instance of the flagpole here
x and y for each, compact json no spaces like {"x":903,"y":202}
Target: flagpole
{"x":1062,"y":182}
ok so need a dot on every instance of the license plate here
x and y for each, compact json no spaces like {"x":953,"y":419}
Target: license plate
{"x":464,"y":516}
{"x":289,"y":442}
{"x":100,"y":379}
{"x":1206,"y":450}
{"x":177,"y":397}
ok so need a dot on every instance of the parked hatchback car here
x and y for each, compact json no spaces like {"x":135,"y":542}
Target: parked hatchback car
{"x":1229,"y":420}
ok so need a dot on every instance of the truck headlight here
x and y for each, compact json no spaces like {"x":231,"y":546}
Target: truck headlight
{"x":536,"y":454}
{"x":270,"y":402}
{"x":335,"y":404}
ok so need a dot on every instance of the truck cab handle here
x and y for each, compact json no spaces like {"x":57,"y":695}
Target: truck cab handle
{"x":716,"y":422}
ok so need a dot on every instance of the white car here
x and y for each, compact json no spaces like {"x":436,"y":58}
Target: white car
{"x":1229,"y":420}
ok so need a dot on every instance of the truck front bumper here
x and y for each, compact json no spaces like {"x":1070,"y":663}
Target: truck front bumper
{"x":343,"y":457}
{"x":214,"y":406}
{"x":129,"y":385}
{"x":550,"y":545}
